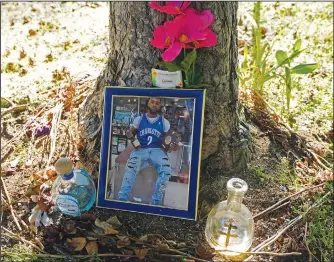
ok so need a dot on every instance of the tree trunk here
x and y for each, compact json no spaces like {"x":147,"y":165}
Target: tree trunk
{"x":225,"y":141}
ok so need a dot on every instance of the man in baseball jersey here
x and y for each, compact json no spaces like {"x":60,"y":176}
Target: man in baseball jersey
{"x":150,"y":129}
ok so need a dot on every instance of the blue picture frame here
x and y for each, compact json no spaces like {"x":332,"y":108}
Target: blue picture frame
{"x":196,"y":95}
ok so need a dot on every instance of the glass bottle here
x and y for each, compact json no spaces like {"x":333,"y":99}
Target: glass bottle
{"x":73,"y":191}
{"x":230,"y":225}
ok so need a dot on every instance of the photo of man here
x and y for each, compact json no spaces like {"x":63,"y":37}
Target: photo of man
{"x":150,"y":129}
{"x":150,"y":154}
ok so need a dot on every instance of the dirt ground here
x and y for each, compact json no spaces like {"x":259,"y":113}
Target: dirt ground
{"x":34,"y":45}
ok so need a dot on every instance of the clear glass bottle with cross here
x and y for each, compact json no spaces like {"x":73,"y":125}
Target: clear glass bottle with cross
{"x":230,"y":225}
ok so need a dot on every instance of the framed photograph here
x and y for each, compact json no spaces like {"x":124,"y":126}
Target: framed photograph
{"x":151,"y":149}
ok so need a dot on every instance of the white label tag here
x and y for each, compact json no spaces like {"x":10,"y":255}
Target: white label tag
{"x":165,"y":79}
{"x":67,"y":205}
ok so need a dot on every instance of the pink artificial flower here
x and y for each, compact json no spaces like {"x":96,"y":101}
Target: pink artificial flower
{"x":171,"y":7}
{"x":163,"y":37}
{"x":206,"y":16}
{"x":185,"y":31}
{"x":210,"y":40}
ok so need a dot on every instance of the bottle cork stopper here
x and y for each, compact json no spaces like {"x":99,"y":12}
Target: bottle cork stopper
{"x":63,"y":166}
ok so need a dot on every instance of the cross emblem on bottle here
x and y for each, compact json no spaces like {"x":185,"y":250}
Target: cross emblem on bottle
{"x":229,"y":225}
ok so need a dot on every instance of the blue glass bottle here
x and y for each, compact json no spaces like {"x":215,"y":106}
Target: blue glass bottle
{"x":73,"y":192}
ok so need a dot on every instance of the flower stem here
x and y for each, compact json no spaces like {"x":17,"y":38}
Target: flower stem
{"x":193,"y":74}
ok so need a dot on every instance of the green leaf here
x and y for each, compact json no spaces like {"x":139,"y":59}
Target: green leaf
{"x":189,"y":60}
{"x":288,"y":77}
{"x":186,"y":83}
{"x":295,"y":54}
{"x":198,"y":76}
{"x":171,"y":67}
{"x":288,"y":88}
{"x":304,"y":68}
{"x":297,"y":45}
{"x":281,"y":57}
{"x":269,"y":76}
{"x":245,"y":62}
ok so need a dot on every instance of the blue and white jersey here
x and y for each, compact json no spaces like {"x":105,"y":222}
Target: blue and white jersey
{"x":150,"y":131}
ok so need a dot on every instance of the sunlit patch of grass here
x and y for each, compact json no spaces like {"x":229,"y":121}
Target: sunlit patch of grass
{"x":12,"y":67}
{"x":84,"y":48}
{"x":25,"y":20}
{"x":49,"y":58}
{"x":57,"y":76}
{"x":23,"y":54}
{"x":23,"y":72}
{"x":67,"y":45}
{"x":47,"y":26}
{"x":7,"y":53}
{"x":31,"y":62}
{"x":101,"y":59}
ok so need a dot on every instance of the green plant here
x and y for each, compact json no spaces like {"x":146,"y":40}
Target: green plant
{"x":255,"y":68}
{"x":285,"y":60}
{"x":321,"y":230}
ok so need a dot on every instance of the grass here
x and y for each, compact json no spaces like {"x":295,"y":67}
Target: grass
{"x":312,"y":99}
{"x":283,"y":173}
{"x":319,"y":239}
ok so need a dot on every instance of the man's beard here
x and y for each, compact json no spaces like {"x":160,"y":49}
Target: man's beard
{"x":151,"y":111}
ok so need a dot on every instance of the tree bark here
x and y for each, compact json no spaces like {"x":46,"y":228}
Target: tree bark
{"x":225,"y":141}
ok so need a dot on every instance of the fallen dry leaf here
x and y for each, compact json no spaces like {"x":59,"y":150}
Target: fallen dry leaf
{"x":126,"y":251}
{"x":92,"y":248}
{"x":141,"y":252}
{"x":114,"y":222}
{"x":68,"y":227}
{"x":86,"y":217}
{"x":123,"y":242}
{"x":44,"y":201}
{"x":142,"y":240}
{"x":10,"y":171}
{"x":76,"y":244}
{"x":33,"y":229}
{"x":32,"y":32}
{"x":108,"y":229}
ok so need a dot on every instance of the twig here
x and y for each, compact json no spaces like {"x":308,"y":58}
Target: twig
{"x":20,"y":134}
{"x":264,"y":253}
{"x":39,"y":243}
{"x":85,"y":256}
{"x":53,"y":133}
{"x":294,"y":221}
{"x":10,"y":204}
{"x":271,"y":210}
{"x":285,"y":199}
{"x":14,"y":108}
{"x":177,"y":252}
{"x":23,"y":223}
{"x":74,"y":256}
{"x":8,"y":100}
{"x":22,"y":239}
{"x":317,"y":159}
{"x":179,"y":256}
{"x":5,"y":155}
